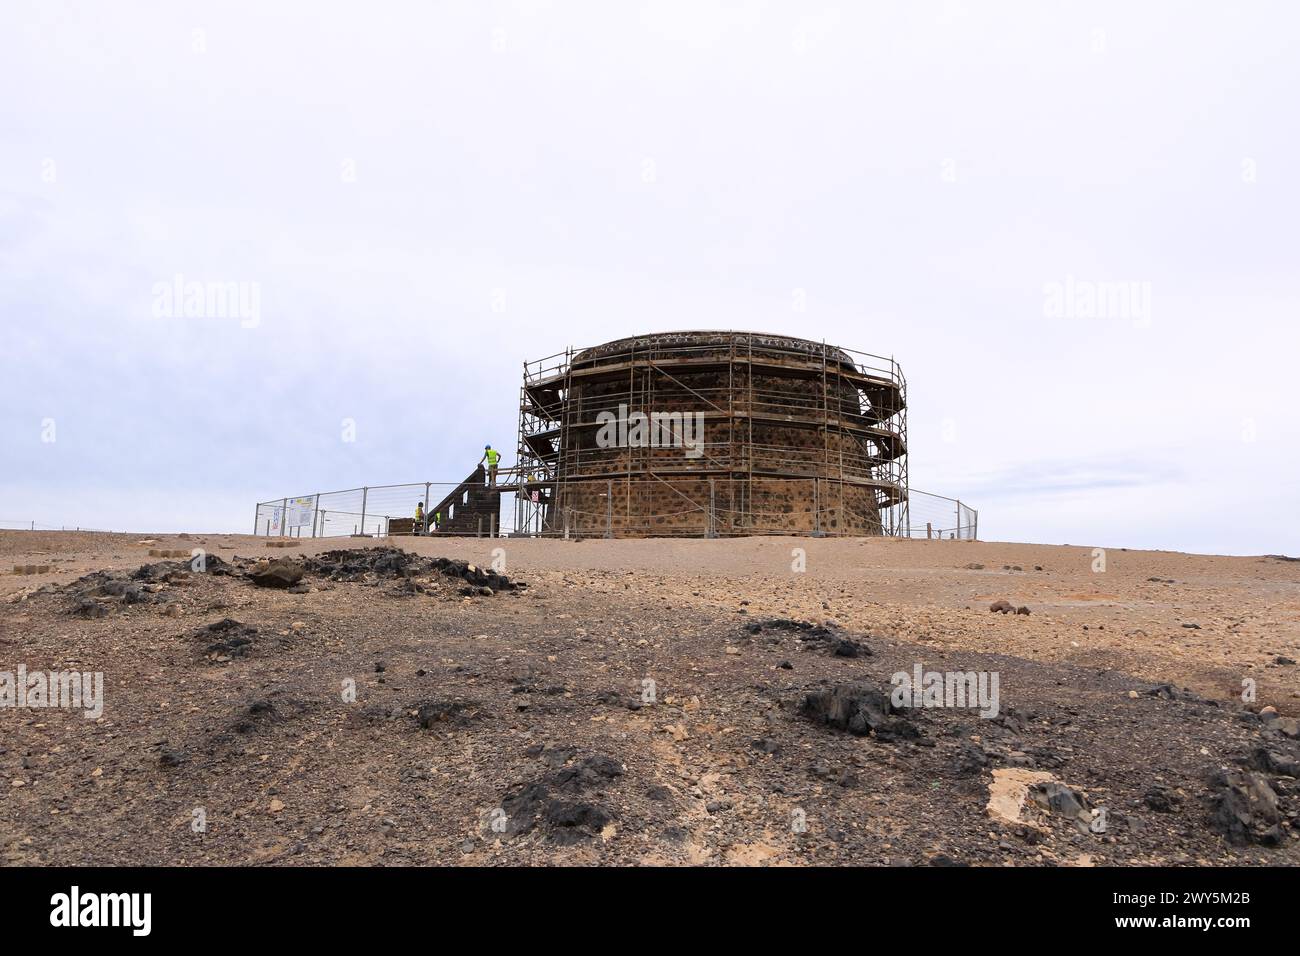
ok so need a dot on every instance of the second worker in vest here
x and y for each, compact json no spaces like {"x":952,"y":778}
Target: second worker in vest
{"x":491,"y":456}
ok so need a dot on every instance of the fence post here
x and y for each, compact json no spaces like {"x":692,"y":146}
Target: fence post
{"x":975,"y":528}
{"x":365,"y":494}
{"x":927,"y":531}
{"x":958,"y":534}
{"x":257,"y":516}
{"x":609,"y":508}
{"x":315,"y":513}
{"x":479,"y":533}
{"x":492,"y":525}
{"x":322,"y":523}
{"x":284,"y":516}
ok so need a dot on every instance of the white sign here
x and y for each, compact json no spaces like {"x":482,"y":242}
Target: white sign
{"x":301,"y":512}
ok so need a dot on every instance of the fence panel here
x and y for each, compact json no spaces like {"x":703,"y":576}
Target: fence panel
{"x":934,"y":516}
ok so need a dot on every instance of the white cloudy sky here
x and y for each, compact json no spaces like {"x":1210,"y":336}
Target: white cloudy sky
{"x":386,"y":172}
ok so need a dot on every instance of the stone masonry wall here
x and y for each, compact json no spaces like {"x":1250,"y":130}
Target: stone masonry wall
{"x":680,"y":502}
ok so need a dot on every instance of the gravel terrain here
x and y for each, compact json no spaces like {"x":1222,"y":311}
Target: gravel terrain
{"x":646,"y":702}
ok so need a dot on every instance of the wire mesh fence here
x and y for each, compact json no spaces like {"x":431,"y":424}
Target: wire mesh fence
{"x":611,"y":508}
{"x":16,"y":524}
{"x":373,"y":511}
{"x":935,"y":516}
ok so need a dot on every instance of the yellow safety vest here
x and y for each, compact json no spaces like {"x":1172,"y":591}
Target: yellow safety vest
{"x":492,"y":456}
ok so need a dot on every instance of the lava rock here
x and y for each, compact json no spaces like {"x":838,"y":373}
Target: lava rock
{"x":1057,"y":798}
{"x":843,"y":647}
{"x":805,"y":629}
{"x":89,"y":608}
{"x":969,"y":761}
{"x":281,"y":573}
{"x":443,"y":712}
{"x":558,"y":804}
{"x":1162,"y":799}
{"x":858,"y":708}
{"x":1170,"y":692}
{"x":1274,"y":762}
{"x":227,"y":638}
{"x":1244,"y":808}
{"x":570,"y":821}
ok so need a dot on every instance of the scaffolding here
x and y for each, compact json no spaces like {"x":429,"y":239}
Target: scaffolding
{"x":818,"y":429}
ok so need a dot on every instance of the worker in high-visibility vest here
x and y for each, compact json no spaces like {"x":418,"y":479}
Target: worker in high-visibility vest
{"x":492,"y":456}
{"x":419,"y":517}
{"x":437,"y":521}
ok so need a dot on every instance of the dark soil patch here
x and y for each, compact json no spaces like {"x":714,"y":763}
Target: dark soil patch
{"x":226,"y":639}
{"x":561,"y":804}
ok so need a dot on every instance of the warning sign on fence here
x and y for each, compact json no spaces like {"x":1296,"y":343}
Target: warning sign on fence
{"x":301,"y":512}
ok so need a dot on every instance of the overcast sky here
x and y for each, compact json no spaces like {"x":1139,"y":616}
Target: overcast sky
{"x":415,"y":198}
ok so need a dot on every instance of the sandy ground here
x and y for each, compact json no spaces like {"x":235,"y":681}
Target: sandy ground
{"x":543,"y":746}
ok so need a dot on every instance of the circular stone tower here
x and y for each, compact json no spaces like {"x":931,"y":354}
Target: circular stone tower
{"x":714,"y":433}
